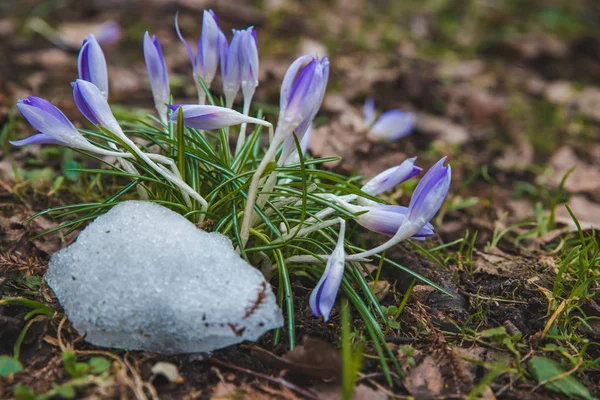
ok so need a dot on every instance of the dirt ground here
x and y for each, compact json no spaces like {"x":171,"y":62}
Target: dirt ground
{"x":509,"y":91}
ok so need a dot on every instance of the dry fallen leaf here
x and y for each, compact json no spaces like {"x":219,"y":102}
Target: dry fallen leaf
{"x":314,"y":358}
{"x":168,"y":370}
{"x":425,"y":381}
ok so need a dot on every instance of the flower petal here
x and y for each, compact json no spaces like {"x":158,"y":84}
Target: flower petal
{"x":391,"y":177}
{"x":393,"y":125}
{"x":369,"y":110}
{"x":207,"y":117}
{"x":38,"y":138}
{"x":430,"y":193}
{"x":323,"y":296}
{"x":91,"y":64}
{"x":93,"y":105}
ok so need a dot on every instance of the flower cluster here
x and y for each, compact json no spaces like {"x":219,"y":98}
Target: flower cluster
{"x":302,"y":92}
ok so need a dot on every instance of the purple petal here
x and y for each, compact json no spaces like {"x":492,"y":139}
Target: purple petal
{"x":93,"y":105}
{"x":430,"y":192}
{"x":108,"y":32}
{"x":393,"y":125}
{"x":187,"y":46}
{"x":302,"y":83}
{"x":47,"y":107}
{"x":51,"y":122}
{"x":323,"y":296}
{"x":387,"y":219}
{"x":369,"y":110}
{"x":157,"y":70}
{"x":231,"y":76}
{"x":288,"y":81}
{"x":207,"y":117}
{"x":391,"y":177}
{"x":38,"y":138}
{"x":208,"y":47}
{"x":91,"y":64}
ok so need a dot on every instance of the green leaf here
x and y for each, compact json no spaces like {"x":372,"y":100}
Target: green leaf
{"x":545,"y":369}
{"x":99,"y":365}
{"x":392,"y":310}
{"x":74,"y":368}
{"x":393,"y":324}
{"x":9,"y":366}
{"x":493,"y":332}
{"x":64,"y":391}
{"x":23,"y":392}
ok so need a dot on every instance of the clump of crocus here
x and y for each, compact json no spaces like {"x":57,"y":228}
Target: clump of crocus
{"x":397,"y":221}
{"x":391,"y":125}
{"x":237,"y":178}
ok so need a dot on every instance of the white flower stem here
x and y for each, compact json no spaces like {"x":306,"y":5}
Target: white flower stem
{"x":242,"y":135}
{"x":307,"y":230}
{"x":174,"y":179}
{"x":128,"y":167}
{"x":406,"y":230}
{"x":252,"y":191}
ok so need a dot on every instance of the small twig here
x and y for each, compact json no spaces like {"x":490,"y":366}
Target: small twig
{"x":278,"y":380}
{"x":480,"y":297}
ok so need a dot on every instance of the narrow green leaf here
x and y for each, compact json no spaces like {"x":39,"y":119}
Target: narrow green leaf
{"x":545,"y":369}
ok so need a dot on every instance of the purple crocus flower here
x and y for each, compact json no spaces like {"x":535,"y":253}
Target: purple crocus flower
{"x":430,"y":193}
{"x":54,"y":126}
{"x":391,"y":177}
{"x":387,"y":219}
{"x":323,"y":296}
{"x":248,"y":60}
{"x":157,"y":73}
{"x":302,"y":92}
{"x":207,"y":53}
{"x":108,"y":32}
{"x":369,"y":111}
{"x":207,"y":117}
{"x":393,"y":125}
{"x":91,"y":64}
{"x":93,"y":105}
{"x":230,"y":67}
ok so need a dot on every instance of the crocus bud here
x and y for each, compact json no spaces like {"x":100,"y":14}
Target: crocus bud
{"x":206,"y":117}
{"x":91,"y":64}
{"x":387,"y":219}
{"x":369,"y":110}
{"x":93,"y":105}
{"x":230,"y":67}
{"x":391,"y":177}
{"x":323,"y":296}
{"x":54,"y":126}
{"x":393,"y":125}
{"x":108,"y":32}
{"x":157,"y":73}
{"x":302,"y":92}
{"x":206,"y":61}
{"x":248,"y":59}
{"x":430,"y":193}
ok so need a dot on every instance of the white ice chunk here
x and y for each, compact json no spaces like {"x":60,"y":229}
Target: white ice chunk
{"x":142,"y":277}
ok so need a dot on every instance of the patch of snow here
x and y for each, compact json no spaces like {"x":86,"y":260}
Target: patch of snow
{"x":142,"y":277}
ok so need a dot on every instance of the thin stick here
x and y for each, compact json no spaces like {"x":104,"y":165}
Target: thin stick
{"x":278,"y":380}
